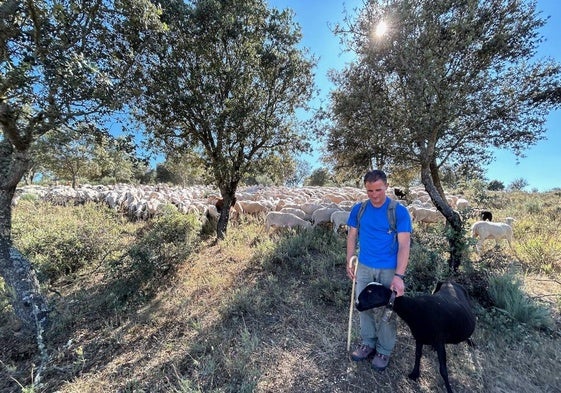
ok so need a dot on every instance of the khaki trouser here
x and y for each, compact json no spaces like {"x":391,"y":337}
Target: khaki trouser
{"x":375,"y":332}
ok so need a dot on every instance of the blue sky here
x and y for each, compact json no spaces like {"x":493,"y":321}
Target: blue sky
{"x":542,"y":165}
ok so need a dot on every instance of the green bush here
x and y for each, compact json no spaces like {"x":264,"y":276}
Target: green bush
{"x":426,"y":267}
{"x":541,"y":254}
{"x":71,"y":238}
{"x":506,"y":293}
{"x":160,"y":246}
{"x":317,"y":255}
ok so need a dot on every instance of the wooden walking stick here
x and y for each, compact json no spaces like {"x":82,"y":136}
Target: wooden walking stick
{"x":354,"y":260}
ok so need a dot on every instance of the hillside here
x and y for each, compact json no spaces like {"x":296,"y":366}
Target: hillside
{"x":154,"y":307}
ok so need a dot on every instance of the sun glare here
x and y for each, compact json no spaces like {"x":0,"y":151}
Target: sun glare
{"x":381,"y":29}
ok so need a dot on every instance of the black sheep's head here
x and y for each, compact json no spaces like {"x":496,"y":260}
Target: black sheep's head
{"x":374,"y":295}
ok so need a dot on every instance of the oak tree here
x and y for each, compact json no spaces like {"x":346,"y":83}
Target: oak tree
{"x":447,"y":83}
{"x":226,"y":84}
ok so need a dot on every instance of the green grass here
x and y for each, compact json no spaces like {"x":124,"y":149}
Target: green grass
{"x":154,"y":307}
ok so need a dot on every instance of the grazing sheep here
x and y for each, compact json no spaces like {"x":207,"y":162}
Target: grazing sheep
{"x":491,"y":230}
{"x":296,"y":211}
{"x":323,"y":215}
{"x":462,"y":204}
{"x":280,"y":219}
{"x":338,"y":218}
{"x":253,"y":207}
{"x":486,"y":215}
{"x":424,"y":215}
{"x":445,"y":317}
{"x":400,"y":194}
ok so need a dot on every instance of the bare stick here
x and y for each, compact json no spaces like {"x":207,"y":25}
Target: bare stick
{"x":354,"y":260}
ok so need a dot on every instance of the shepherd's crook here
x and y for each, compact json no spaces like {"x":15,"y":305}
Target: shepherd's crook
{"x":354,"y":260}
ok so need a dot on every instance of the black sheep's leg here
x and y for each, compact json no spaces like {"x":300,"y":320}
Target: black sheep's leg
{"x":441,"y":351}
{"x":416,"y":368}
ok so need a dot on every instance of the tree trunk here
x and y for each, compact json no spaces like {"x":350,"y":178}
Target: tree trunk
{"x":228,"y":197}
{"x":456,"y":241}
{"x":28,"y":303}
{"x":454,"y":233}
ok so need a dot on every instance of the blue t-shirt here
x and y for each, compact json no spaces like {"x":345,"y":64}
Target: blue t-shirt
{"x":377,"y":243}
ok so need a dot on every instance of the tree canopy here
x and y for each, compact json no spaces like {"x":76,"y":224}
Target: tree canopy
{"x":448,"y":82}
{"x":225,"y":83}
{"x":61,"y":64}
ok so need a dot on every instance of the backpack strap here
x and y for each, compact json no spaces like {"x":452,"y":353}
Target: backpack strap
{"x":392,"y":216}
{"x":360,"y":213}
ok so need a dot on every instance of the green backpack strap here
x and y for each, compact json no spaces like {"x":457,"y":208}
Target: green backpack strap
{"x":360,"y":213}
{"x":392,"y":216}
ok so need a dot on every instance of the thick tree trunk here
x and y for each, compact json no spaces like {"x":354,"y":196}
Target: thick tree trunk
{"x":455,"y":235}
{"x":222,"y":225}
{"x":28,"y":303}
{"x":228,"y":198}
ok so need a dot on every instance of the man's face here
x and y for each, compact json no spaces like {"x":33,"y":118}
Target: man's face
{"x":376,"y":192}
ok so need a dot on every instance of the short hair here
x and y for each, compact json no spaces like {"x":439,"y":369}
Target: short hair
{"x":374,"y":176}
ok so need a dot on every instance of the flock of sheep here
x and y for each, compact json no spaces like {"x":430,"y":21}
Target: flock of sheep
{"x":304,"y":207}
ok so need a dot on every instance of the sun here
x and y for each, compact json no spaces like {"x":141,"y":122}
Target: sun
{"x":381,"y":29}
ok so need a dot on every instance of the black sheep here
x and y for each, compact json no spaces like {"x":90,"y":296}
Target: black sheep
{"x":445,"y":317}
{"x":486,"y":215}
{"x":399,"y":193}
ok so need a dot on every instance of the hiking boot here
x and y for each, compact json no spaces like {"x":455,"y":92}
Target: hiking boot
{"x":362,"y":353}
{"x":380,"y":362}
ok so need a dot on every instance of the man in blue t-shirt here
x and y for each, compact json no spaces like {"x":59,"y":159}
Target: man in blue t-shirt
{"x":383,"y":257}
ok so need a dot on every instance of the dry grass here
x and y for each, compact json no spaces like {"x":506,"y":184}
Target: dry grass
{"x":249,"y":315}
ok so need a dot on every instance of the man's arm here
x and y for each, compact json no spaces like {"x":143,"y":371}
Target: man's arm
{"x":404,"y":247}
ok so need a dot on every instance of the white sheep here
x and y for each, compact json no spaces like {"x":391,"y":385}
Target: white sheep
{"x":296,"y":211}
{"x":253,"y":207}
{"x":424,"y":215}
{"x":287,"y":220}
{"x":491,"y":230}
{"x":462,"y":204}
{"x":323,"y":215}
{"x":338,"y":218}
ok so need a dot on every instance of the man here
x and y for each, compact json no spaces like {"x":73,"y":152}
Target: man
{"x":383,"y":257}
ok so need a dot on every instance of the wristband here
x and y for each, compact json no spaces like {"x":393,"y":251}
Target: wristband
{"x":402,"y":276}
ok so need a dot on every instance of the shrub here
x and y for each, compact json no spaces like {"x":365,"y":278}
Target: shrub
{"x":541,"y":254}
{"x":73,"y":237}
{"x":161,"y":245}
{"x":506,"y":293}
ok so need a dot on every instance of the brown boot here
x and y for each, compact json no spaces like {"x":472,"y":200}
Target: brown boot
{"x":362,"y":352}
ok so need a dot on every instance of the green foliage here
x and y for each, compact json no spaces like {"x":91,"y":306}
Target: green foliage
{"x":533,"y":206}
{"x":29,"y":197}
{"x":316,"y":255}
{"x":242,"y":76}
{"x":76,"y":237}
{"x":319,"y":177}
{"x":495,"y":185}
{"x":159,"y":248}
{"x":72,"y":70}
{"x":368,"y":106}
{"x":507,"y":295}
{"x":480,"y":195}
{"x":541,"y":254}
{"x":427,"y":265}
